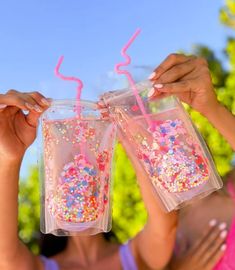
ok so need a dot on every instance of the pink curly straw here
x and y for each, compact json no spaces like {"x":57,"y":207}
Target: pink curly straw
{"x":78,"y":97}
{"x":129,"y":77}
{"x":70,"y":78}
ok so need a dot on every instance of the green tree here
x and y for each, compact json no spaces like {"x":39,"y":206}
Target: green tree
{"x":227,"y":13}
{"x":29,"y":210}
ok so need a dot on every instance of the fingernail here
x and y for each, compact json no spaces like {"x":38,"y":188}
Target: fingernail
{"x":151,"y":92}
{"x":222,"y":226}
{"x":158,"y":85}
{"x":29,"y":106}
{"x":212,"y":222}
{"x":37,"y":108}
{"x":2,"y":106}
{"x":223,"y":247}
{"x":151,"y":76}
{"x":223,"y":234}
{"x":45,"y":101}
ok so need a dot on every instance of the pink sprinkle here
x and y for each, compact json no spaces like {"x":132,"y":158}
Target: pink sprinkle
{"x":135,"y":108}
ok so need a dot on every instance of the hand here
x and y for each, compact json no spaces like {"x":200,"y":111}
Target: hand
{"x":17,"y":130}
{"x":187,"y":77}
{"x":206,"y":252}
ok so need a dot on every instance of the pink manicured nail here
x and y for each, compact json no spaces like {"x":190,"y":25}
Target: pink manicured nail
{"x":223,"y":247}
{"x":151,"y":92}
{"x":212,"y":222}
{"x":151,"y":76}
{"x":158,"y":85}
{"x":2,"y":106}
{"x":222,"y":226}
{"x":223,"y":234}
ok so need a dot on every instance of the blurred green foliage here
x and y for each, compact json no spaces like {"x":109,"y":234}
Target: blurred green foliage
{"x":220,"y":149}
{"x":227,"y":13}
{"x":129,"y":213}
{"x":29,"y":210}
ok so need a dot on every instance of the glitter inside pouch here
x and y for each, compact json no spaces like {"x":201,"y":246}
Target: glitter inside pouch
{"x":172,"y":154}
{"x":75,"y":169}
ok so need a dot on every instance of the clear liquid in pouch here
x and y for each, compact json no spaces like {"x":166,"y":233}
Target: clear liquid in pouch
{"x":170,"y":150}
{"x":76,"y":162}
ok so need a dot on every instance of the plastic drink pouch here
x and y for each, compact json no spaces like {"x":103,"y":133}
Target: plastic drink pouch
{"x":76,"y":162}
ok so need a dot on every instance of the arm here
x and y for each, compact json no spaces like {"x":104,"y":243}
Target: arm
{"x":17,"y":132}
{"x":13,"y":254}
{"x":224,"y":121}
{"x":153,"y":246}
{"x":188,"y":77}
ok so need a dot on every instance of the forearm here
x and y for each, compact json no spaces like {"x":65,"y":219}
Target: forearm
{"x":159,"y":232}
{"x":158,"y":235}
{"x":158,"y":219}
{"x":9,"y":176}
{"x":13,"y":253}
{"x":224,"y":122}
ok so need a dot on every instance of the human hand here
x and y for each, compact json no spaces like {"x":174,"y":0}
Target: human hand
{"x":17,"y":130}
{"x":187,"y":77}
{"x":206,"y":252}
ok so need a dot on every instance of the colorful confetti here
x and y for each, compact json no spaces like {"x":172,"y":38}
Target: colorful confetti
{"x":78,"y":196}
{"x":173,"y":160}
{"x":76,"y":186}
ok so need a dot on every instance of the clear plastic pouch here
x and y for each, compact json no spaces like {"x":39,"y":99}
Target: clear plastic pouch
{"x":166,"y":143}
{"x":75,"y":168}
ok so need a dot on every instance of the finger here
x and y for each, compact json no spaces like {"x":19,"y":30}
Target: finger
{"x":103,"y":109}
{"x":36,"y":101}
{"x":32,"y":118}
{"x":101,"y":104}
{"x":170,"y":61}
{"x":31,"y":104}
{"x":18,"y":100}
{"x":214,"y":247}
{"x":171,"y":88}
{"x":211,"y":226}
{"x":40,"y":99}
{"x":159,"y":96}
{"x":13,"y":98}
{"x":177,"y":72}
{"x":210,"y":239}
{"x":215,"y":258}
{"x":2,"y":107}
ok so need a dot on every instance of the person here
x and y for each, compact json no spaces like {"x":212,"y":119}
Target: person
{"x":206,"y":231}
{"x":202,"y":231}
{"x":188,"y":78}
{"x":17,"y":133}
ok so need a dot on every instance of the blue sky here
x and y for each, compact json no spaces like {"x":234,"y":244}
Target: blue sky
{"x":90,"y":34}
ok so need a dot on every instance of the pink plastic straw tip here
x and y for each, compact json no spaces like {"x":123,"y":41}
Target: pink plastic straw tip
{"x":61,"y":59}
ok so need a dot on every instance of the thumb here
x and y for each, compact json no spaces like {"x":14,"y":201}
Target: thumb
{"x":32,"y":118}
